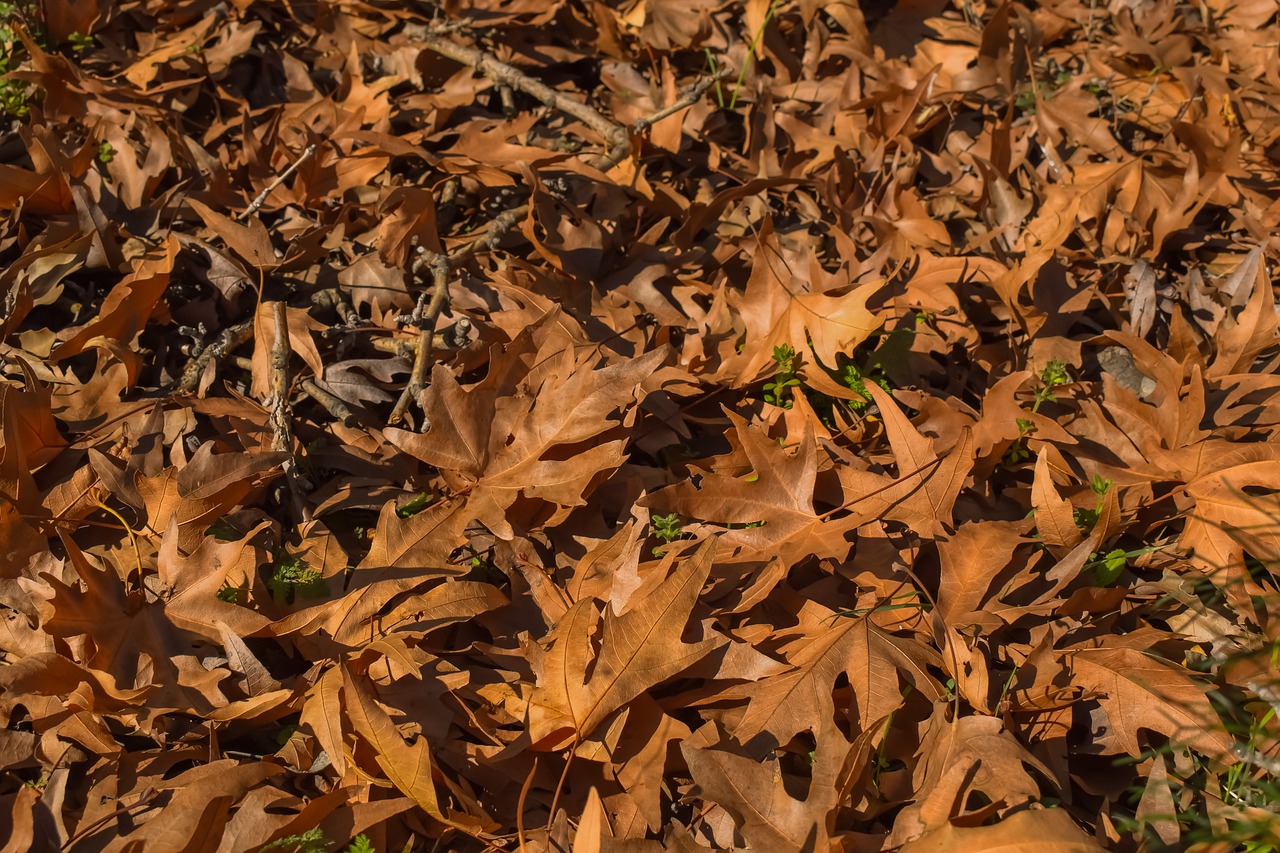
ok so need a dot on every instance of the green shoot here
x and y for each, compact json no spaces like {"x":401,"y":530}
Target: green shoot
{"x":667,"y":528}
{"x":412,"y":506}
{"x":1087,"y":518}
{"x":1053,"y":375}
{"x":715,"y":71}
{"x":290,"y":578}
{"x":311,"y":841}
{"x":784,"y":378}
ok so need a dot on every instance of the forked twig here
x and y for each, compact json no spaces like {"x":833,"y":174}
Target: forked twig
{"x":231,"y":338}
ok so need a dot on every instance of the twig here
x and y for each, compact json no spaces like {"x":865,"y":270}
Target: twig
{"x":426,"y":322}
{"x":230,"y":339}
{"x":455,"y":338}
{"x":333,"y":298}
{"x":281,"y":416}
{"x":280,"y":179}
{"x":688,"y":99}
{"x":505,"y":75}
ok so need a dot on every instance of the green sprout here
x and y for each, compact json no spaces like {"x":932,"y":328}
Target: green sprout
{"x":291,"y":578}
{"x":311,"y":841}
{"x":106,"y":153}
{"x":1053,"y":375}
{"x":855,"y":380}
{"x":1087,"y":518}
{"x":667,"y":528}
{"x":784,"y":377}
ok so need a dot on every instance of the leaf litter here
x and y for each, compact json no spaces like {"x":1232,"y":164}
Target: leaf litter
{"x":649,"y":426}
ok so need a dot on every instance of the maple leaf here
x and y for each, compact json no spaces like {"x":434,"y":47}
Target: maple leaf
{"x":924,"y":493}
{"x":498,"y":448}
{"x":778,"y":491}
{"x":578,"y":688}
{"x":776,"y":312}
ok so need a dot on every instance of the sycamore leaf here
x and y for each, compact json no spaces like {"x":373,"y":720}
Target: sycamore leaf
{"x":1055,"y":518}
{"x":779,"y":491}
{"x":1137,"y":691}
{"x":786,"y":704}
{"x":778,"y":311}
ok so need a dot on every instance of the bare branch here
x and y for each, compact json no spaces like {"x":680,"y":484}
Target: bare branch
{"x":333,"y":405}
{"x":502,"y":74}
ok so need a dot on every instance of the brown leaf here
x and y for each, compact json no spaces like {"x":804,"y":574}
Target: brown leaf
{"x":1047,"y":831}
{"x":408,"y":766}
{"x":638,"y":650}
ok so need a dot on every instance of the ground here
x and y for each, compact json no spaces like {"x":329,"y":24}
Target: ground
{"x":581,"y":425}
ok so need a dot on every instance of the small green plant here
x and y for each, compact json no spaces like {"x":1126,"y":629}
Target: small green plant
{"x":1052,"y":376}
{"x":233,"y":594}
{"x":788,"y":363}
{"x":80,"y":42}
{"x":853,"y":378}
{"x":777,"y":392}
{"x":286,"y":731}
{"x":1087,"y":518}
{"x":315,"y":841}
{"x":311,"y":841}
{"x":667,"y":528}
{"x":14,"y":94}
{"x":290,"y":578}
{"x":106,"y":153}
{"x":1044,"y":82}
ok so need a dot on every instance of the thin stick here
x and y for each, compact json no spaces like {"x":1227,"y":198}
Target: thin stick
{"x":280,"y":179}
{"x":688,"y":99}
{"x":507,"y":78}
{"x":440,"y":268}
{"x":281,"y":415}
{"x":505,"y":75}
